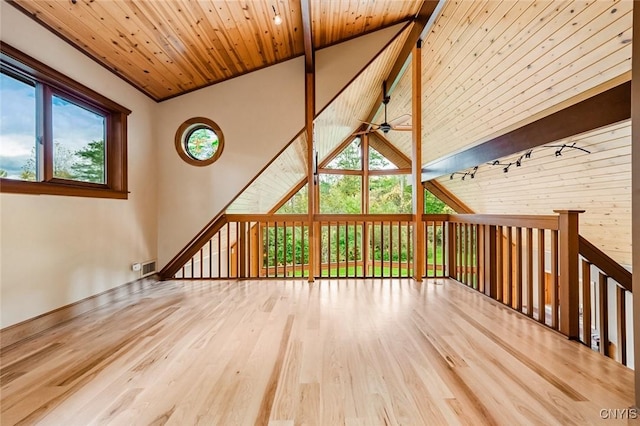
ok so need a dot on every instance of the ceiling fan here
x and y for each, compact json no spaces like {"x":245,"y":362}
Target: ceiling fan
{"x":398,"y":123}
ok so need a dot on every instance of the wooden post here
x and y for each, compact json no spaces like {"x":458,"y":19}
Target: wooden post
{"x":635,"y":166}
{"x":569,"y":287}
{"x":310,"y":111}
{"x":416,"y":165}
{"x":242,"y":250}
{"x":311,"y":174}
{"x":489,"y":257}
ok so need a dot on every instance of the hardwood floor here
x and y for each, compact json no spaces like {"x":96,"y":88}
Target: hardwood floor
{"x":287,"y":352}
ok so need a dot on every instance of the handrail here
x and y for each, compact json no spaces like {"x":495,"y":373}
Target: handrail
{"x":523,"y":221}
{"x":609,"y":266}
{"x":234,"y":217}
{"x":363,"y":217}
{"x":193,"y":246}
{"x":429,"y":217}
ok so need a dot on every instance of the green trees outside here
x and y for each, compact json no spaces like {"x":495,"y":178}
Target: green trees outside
{"x":86,"y":164}
{"x":89,"y":164}
{"x":342,"y":194}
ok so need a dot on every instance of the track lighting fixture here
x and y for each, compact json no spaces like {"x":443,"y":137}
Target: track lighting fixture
{"x":518,"y":162}
{"x":471,"y":174}
{"x":563,"y":146}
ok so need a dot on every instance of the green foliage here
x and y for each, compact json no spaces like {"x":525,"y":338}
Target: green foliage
{"x":89,"y":163}
{"x":297,"y":204}
{"x":433,"y":205}
{"x":202,"y":143}
{"x":349,"y":158}
{"x":86,"y":164}
{"x":342,"y":194}
{"x":3,"y":173}
{"x":390,"y":194}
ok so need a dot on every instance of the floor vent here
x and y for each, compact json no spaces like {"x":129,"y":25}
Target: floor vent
{"x":149,"y":268}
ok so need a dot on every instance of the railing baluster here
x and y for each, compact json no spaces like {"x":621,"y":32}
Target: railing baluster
{"x":219,"y":236}
{"x":229,"y":256}
{"x":529,"y":272}
{"x":542,"y":311}
{"x":210,"y":254}
{"x":586,"y":303}
{"x":469,"y":247}
{"x":509,"y":280}
{"x":603,"y":301}
{"x":479,"y":282}
{"x":554,"y":279}
{"x":435,"y":248}
{"x":499,"y":264}
{"x":460,"y":248}
{"x":621,"y":325}
{"x":518,"y":269}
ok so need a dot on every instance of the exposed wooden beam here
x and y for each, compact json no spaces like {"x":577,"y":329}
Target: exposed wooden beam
{"x":444,"y":195}
{"x":417,"y":194}
{"x":635,"y":162}
{"x":307,"y":34}
{"x":421,"y":24}
{"x":310,"y":102}
{"x":606,"y":108}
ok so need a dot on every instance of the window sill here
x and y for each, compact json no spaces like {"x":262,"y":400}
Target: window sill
{"x":56,"y":188}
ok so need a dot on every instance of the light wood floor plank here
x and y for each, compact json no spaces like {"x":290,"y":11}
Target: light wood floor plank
{"x":352,"y":352}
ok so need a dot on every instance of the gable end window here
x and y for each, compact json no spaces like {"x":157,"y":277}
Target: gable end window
{"x":57,"y":136}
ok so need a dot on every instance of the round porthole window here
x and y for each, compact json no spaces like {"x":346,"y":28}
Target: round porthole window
{"x":199,"y":141}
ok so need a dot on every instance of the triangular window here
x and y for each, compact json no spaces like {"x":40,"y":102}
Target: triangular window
{"x":349,"y":159}
{"x":296,"y":204}
{"x":378,"y":161}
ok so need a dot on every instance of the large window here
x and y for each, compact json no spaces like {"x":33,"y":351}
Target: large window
{"x":365,"y":176}
{"x":58,"y":137}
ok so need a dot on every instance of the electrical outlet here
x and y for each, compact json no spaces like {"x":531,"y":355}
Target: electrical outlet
{"x":136,"y":267}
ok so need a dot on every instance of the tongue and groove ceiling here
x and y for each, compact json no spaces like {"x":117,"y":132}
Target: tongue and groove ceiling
{"x":167,"y":48}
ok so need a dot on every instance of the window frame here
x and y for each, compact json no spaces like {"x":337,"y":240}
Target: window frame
{"x":182,"y":138}
{"x":49,"y":83}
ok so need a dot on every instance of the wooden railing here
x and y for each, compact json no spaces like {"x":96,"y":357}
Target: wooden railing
{"x":277,"y":246}
{"x":536,"y":265}
{"x":365,"y":246}
{"x":602,"y":279}
{"x":512,"y":259}
{"x":435,"y":234}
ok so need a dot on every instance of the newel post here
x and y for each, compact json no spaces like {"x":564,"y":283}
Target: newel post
{"x":568,"y":294}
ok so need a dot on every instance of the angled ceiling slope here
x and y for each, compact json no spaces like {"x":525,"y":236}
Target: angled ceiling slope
{"x":490,"y":67}
{"x":167,"y":48}
{"x":335,"y":123}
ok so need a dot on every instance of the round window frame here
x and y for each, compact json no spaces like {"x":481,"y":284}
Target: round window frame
{"x":186,"y":129}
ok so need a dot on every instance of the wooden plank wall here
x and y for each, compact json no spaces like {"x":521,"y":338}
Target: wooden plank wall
{"x":599,"y":182}
{"x":492,"y":65}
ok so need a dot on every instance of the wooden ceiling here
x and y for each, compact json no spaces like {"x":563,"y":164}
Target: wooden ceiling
{"x":599,"y":182}
{"x":490,"y":66}
{"x":167,"y":48}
